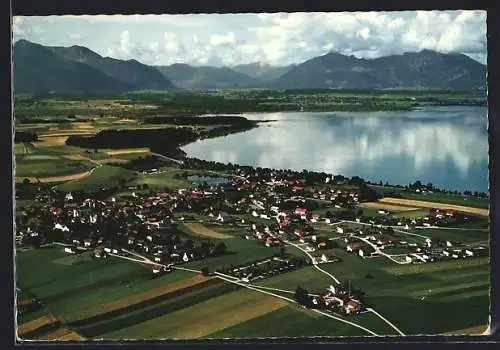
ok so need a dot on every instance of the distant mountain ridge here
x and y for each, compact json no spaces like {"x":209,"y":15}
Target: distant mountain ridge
{"x":425,"y":69}
{"x":77,"y":69}
{"x":205,"y":77}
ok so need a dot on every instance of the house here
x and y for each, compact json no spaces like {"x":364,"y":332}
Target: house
{"x":469,"y":252}
{"x":87,"y":242}
{"x":446,"y":253}
{"x":224,"y":217}
{"x":352,"y":247}
{"x":69,"y":250}
{"x":340,"y":230}
{"x":408,"y":259}
{"x":353,"y":306}
{"x":300,"y":211}
{"x":361,"y":253}
{"x":448,"y":244}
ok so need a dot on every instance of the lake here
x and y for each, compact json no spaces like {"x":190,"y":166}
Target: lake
{"x":447,"y":146}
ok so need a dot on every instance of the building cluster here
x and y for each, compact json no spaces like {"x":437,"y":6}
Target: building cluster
{"x":261,"y":269}
{"x":338,"y":298}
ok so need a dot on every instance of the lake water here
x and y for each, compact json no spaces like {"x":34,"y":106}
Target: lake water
{"x":447,"y":146}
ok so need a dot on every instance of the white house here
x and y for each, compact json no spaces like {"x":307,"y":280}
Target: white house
{"x":61,"y":227}
{"x":68,"y":196}
{"x":255,"y":214}
{"x":361,"y":253}
{"x":408,"y":259}
{"x":185,"y":257}
{"x":446,"y":253}
{"x":324,"y":258}
{"x":327,"y":221}
{"x":115,"y":251}
{"x":224,"y":217}
{"x":469,"y":252}
{"x":340,"y":230}
{"x":107,"y":250}
{"x":69,"y":250}
{"x":448,"y":244}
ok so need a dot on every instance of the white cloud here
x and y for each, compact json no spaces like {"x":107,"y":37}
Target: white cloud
{"x":364,"y":33}
{"x":273,"y":38}
{"x":217,"y":39}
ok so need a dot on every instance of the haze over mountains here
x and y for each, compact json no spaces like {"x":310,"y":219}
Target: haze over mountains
{"x":77,"y":69}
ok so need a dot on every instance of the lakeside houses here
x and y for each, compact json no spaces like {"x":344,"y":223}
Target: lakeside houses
{"x":147,"y":223}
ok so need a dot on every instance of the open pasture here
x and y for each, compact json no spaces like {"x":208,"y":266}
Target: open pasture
{"x":203,"y":319}
{"x":105,"y":175}
{"x":201,"y":230}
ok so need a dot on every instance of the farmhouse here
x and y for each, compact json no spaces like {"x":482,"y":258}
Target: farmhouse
{"x":352,"y":306}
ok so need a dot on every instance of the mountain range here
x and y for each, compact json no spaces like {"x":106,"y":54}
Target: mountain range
{"x":77,"y":69}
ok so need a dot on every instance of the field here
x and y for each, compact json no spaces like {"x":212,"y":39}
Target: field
{"x":441,"y":206}
{"x":200,"y":320}
{"x":384,"y":206}
{"x":101,"y":176}
{"x":203,"y":231}
{"x":81,"y":297}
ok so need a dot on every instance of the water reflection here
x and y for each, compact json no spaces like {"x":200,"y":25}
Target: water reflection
{"x":444,"y":145}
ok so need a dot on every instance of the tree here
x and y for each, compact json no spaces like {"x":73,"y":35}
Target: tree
{"x":302,"y":297}
{"x":220,"y":248}
{"x":205,"y":271}
{"x":26,"y":181}
{"x":122,"y":181}
{"x":282,"y":252}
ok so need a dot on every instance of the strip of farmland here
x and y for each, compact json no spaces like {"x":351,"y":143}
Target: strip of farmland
{"x":36,"y":327}
{"x":172,"y":304}
{"x":141,"y":300}
{"x":199,"y":229}
{"x":434,"y":205}
{"x":440,"y":266}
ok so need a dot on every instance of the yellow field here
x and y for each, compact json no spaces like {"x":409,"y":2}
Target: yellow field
{"x":113,"y":161}
{"x":67,"y":133}
{"x":50,"y":141}
{"x":219,"y":313}
{"x":75,"y":157}
{"x":82,"y":126}
{"x":140,"y":297}
{"x":434,"y":205}
{"x":204,"y":231}
{"x":384,"y":206}
{"x":62,"y":178}
{"x":35,"y":324}
{"x":127,"y":151}
{"x":125,"y":120}
{"x":61,"y":334}
{"x":478,"y":330}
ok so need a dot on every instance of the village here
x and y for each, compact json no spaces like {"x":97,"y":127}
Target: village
{"x":274,"y":209}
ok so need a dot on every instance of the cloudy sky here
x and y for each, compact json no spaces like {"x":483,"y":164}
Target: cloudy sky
{"x":278,"y":38}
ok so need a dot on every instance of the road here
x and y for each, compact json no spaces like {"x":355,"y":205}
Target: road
{"x":261,"y":289}
{"x":386,"y":320}
{"x":380,"y":252}
{"x":393,"y":227}
{"x":180,"y":162}
{"x":314,"y":262}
